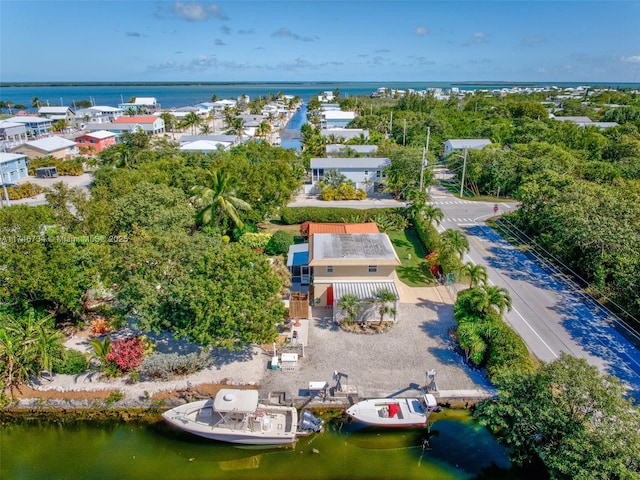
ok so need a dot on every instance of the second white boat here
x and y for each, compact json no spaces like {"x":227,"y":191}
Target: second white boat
{"x":398,"y":412}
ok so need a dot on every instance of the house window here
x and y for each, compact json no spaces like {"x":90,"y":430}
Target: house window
{"x":329,"y":269}
{"x":378,"y":174}
{"x":366,"y":173}
{"x":373,"y":269}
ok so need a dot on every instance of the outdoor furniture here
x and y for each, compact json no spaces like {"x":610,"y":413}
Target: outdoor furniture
{"x":288,"y":362}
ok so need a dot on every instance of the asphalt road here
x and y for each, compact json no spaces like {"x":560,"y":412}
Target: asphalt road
{"x":549,"y":313}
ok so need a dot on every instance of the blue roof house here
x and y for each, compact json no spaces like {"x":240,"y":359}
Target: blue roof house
{"x":12,"y":167}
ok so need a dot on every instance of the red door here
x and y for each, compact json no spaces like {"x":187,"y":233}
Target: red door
{"x":330,"y":296}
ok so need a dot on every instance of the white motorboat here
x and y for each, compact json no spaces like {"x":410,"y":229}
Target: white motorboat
{"x":395,"y":412}
{"x":236,"y":416}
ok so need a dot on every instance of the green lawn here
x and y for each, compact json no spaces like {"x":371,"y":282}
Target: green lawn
{"x":411,"y":253}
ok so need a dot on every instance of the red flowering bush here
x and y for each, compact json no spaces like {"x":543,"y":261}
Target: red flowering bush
{"x":127,"y":353}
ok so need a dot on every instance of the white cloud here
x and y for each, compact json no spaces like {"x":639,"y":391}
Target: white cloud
{"x":533,"y":40}
{"x":421,"y":31}
{"x":478,"y":38}
{"x":285,"y":32}
{"x":197,"y":12}
{"x":202,"y":63}
{"x":631,"y":59}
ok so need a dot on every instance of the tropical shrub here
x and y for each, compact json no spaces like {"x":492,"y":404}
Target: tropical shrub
{"x":127,"y":353}
{"x":295,"y":215}
{"x":24,"y":190}
{"x":279,"y":243}
{"x":507,"y":352}
{"x":164,"y":366}
{"x":29,"y":344}
{"x":72,"y":362}
{"x":71,"y":167}
{"x":344,"y":191}
{"x":255,"y":240}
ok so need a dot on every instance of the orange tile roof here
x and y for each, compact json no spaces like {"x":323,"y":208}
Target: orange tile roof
{"x":141,"y":119}
{"x":369,"y":227}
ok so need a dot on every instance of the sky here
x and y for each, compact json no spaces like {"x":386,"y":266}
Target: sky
{"x":329,"y":40}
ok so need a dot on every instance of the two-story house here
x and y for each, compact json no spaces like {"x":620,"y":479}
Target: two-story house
{"x":36,"y":126}
{"x":13,"y":167}
{"x":364,"y":172}
{"x":93,"y":143}
{"x":149,"y":124}
{"x":359,"y":264}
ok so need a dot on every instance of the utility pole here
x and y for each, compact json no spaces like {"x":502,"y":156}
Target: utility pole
{"x":391,"y":124}
{"x":424,"y":158}
{"x":4,"y":187}
{"x":404,"y":133}
{"x":464,"y":169}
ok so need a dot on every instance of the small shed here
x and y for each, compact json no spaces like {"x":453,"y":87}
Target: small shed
{"x":47,"y":172}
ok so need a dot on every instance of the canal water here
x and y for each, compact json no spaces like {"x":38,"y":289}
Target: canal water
{"x":454,"y":447}
{"x":290,"y":136}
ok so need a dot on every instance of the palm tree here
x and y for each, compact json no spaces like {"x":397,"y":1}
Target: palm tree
{"x":205,"y":129}
{"x":192,"y":120}
{"x":470,"y":338}
{"x":169,"y":121}
{"x":381,"y":300}
{"x":218,"y":199}
{"x":454,"y":241}
{"x":351,"y":305}
{"x":101,"y":349}
{"x":263,"y":129}
{"x":237,"y":127}
{"x":498,"y":298}
{"x":36,"y":103}
{"x":477,"y":274}
{"x":432,"y":214}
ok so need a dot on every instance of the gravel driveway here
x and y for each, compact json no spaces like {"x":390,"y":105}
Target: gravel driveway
{"x":379,"y":365}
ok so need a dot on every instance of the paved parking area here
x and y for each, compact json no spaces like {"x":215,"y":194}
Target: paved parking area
{"x":395,"y":362}
{"x":83,"y":181}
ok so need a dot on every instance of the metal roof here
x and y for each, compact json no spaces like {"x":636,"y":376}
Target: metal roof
{"x":100,"y":134}
{"x":351,"y":249}
{"x":8,"y":157}
{"x":340,"y":147}
{"x":204,"y":145}
{"x":461,"y":143}
{"x":51,"y":144}
{"x":362,"y":290}
{"x":344,"y":132}
{"x":350,"y":162}
{"x":211,"y":138}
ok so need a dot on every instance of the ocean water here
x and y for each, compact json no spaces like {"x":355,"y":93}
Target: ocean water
{"x":178,"y":95}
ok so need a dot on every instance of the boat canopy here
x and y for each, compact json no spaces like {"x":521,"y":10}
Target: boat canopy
{"x":232,"y":400}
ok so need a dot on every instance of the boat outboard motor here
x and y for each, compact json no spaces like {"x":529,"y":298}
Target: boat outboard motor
{"x":309,"y":422}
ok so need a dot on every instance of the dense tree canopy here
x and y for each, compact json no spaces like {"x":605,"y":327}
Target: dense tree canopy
{"x":569,"y":415}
